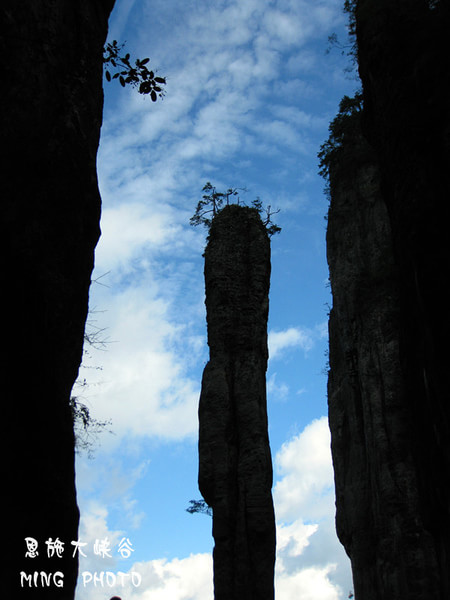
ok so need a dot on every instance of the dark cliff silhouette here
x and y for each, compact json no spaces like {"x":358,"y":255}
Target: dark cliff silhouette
{"x":389,"y":407}
{"x":235,"y":467}
{"x":51,"y":111}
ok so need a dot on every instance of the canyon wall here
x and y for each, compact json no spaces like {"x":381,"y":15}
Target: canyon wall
{"x":51,"y":112}
{"x":389,"y":407}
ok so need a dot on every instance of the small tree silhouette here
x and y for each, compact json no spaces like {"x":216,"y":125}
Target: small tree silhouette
{"x":213,"y":201}
{"x":266,"y":216}
{"x":210,"y":204}
{"x":199,"y":506}
{"x":86,"y":427}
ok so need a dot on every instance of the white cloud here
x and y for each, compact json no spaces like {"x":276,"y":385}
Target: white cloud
{"x":306,"y":487}
{"x":130,"y":228}
{"x":179,"y":579}
{"x":144,"y":385}
{"x":223,"y":64}
{"x":276,"y":390}
{"x":109,"y":487}
{"x":311,"y":563}
{"x":312,"y":583}
{"x":292,"y":539}
{"x":158,"y":579}
{"x":92,"y":531}
{"x":293,"y":337}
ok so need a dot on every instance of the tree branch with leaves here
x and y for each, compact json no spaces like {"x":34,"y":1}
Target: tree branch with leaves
{"x":137,"y":75}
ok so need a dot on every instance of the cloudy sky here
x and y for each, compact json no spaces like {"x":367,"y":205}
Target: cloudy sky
{"x":250,"y":92}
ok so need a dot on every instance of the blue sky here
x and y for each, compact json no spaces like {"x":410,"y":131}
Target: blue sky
{"x":250,"y":93}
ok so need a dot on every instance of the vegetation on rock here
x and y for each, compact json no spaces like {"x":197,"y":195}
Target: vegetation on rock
{"x":213,"y":202}
{"x":344,"y":128}
{"x":199,"y":506}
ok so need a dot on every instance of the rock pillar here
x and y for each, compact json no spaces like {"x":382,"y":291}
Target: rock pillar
{"x":235,"y":467}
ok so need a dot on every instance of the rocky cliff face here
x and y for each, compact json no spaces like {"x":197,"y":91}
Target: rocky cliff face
{"x":235,"y":468}
{"x":369,"y":411}
{"x":50,"y":121}
{"x":389,"y":408}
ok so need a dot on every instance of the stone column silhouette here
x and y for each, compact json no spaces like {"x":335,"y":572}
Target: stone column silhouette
{"x":235,"y":466}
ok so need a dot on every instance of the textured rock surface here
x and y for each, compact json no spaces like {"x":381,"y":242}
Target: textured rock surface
{"x":51,"y":108}
{"x":235,"y":467}
{"x":376,"y":482}
{"x":387,"y":251}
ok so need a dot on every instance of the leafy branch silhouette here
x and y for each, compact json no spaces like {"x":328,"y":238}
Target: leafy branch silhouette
{"x":137,"y":76}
